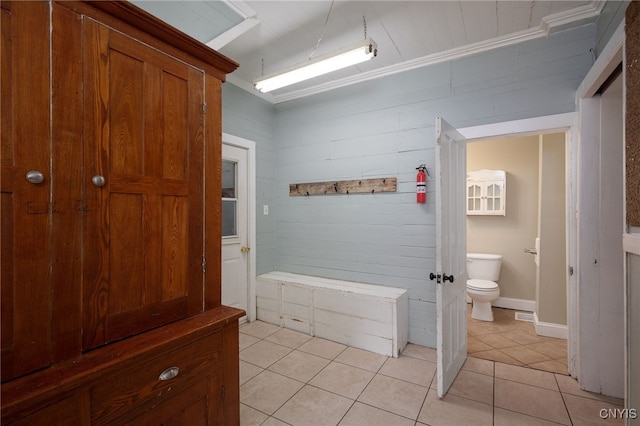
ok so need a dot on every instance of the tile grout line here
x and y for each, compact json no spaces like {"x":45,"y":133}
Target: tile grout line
{"x":335,"y":359}
{"x":424,"y":401}
{"x":564,"y":402}
{"x":378,"y":372}
{"x":513,"y":327}
{"x":304,"y":384}
{"x":493,"y":408}
{"x":296,"y":393}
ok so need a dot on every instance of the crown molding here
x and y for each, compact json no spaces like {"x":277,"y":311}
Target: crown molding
{"x":550,"y":24}
{"x":424,"y":61}
{"x":572,"y":17}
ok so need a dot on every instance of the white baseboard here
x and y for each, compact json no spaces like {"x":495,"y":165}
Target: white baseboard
{"x":516,"y":304}
{"x":548,"y":329}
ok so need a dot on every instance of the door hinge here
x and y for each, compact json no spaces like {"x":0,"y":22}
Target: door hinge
{"x":204,"y":108}
{"x":570,"y":270}
{"x":204,"y":265}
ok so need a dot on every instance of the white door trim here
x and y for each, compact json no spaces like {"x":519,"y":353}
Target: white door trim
{"x":250,"y":146}
{"x":610,"y":57}
{"x":568,"y":123}
{"x":607,"y":61}
{"x":631,"y":243}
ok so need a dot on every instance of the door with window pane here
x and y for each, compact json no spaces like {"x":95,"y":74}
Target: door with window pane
{"x":235,"y":252}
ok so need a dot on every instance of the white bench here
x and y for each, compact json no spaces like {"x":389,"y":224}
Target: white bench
{"x":365,"y":316}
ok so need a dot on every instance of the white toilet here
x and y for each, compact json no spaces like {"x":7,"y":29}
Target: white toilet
{"x":483,"y":271}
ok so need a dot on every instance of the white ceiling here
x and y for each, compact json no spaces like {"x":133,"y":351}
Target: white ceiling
{"x":266,"y":36}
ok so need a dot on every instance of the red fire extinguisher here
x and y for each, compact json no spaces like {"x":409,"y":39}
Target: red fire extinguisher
{"x":421,"y":184}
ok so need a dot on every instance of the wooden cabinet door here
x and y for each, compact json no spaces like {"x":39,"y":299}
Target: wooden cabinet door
{"x":25,"y":206}
{"x":143,"y":171}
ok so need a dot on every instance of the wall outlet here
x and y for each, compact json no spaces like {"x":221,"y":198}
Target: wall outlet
{"x":265,"y":210}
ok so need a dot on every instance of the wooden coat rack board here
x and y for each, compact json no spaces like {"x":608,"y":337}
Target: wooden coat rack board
{"x":356,"y":186}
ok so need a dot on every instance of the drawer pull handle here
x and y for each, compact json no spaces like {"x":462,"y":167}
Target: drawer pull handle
{"x":169,"y":373}
{"x":35,"y":177}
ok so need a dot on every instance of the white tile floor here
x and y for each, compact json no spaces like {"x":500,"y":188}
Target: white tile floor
{"x":289,"y":378}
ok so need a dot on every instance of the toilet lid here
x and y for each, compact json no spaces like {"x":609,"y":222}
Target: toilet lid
{"x":482,"y":285}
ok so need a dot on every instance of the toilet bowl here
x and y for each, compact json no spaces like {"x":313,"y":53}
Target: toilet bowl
{"x":483,"y":270}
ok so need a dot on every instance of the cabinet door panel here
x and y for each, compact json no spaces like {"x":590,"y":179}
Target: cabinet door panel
{"x":143,"y":231}
{"x":25,"y":206}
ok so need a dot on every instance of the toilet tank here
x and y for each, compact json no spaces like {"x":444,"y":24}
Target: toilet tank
{"x":484,"y":266}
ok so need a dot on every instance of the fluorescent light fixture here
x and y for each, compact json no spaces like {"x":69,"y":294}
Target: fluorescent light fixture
{"x":323,"y":64}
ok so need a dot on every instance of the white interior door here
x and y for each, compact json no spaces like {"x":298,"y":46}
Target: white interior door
{"x":235,"y":249}
{"x":451,"y":247}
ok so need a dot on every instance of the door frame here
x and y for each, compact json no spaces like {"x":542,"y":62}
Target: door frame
{"x":567,"y":123}
{"x":588,"y":369}
{"x":250,"y":146}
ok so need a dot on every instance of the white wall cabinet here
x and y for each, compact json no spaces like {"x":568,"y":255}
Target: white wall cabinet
{"x":486,"y":192}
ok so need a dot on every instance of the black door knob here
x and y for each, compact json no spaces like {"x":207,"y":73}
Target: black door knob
{"x":446,"y":278}
{"x":433,"y":276}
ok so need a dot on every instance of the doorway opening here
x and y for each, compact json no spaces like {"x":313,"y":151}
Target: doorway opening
{"x":538,"y":337}
{"x":532,"y":282}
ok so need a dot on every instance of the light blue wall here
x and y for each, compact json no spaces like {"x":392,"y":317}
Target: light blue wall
{"x":385,"y":127}
{"x":610,"y":17}
{"x":247,"y":116}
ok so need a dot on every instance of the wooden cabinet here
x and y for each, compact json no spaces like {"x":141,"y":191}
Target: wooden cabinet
{"x":111,"y":120}
{"x":123,"y":382}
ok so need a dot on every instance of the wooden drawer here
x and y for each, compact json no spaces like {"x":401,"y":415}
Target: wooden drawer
{"x":140,"y":383}
{"x":194,"y":406}
{"x":71,"y":411}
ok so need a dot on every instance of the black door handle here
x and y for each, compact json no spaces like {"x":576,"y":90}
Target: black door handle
{"x":437,"y":277}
